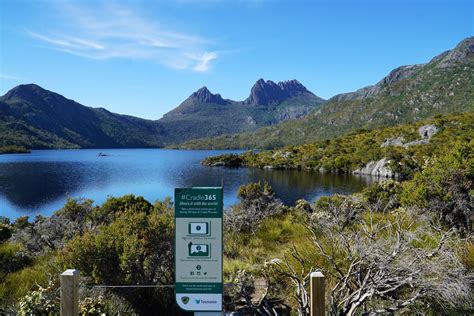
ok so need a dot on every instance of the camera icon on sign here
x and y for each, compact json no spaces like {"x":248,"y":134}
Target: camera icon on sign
{"x":198,"y":250}
{"x":201,"y":228}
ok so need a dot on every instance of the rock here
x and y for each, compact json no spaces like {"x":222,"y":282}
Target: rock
{"x":268,"y":167}
{"x":399,"y":74}
{"x":457,"y":56}
{"x":218,"y":164}
{"x":394,"y":141}
{"x":417,"y":142}
{"x":427,"y":131}
{"x":393,"y":77}
{"x":377,"y":169}
{"x":203,"y":95}
{"x":292,"y":112}
{"x":250,"y":121}
{"x":284,"y":155}
{"x":268,"y":92}
{"x":460,"y":55}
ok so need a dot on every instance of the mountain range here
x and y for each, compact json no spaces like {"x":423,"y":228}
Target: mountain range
{"x":407,"y":94}
{"x":34,"y":117}
{"x":274,"y":114}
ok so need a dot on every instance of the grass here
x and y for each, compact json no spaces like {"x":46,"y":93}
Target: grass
{"x":19,"y":283}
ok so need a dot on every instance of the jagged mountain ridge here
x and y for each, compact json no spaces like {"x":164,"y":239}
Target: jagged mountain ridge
{"x":262,"y":93}
{"x":269,"y":103}
{"x":407,"y":94}
{"x":203,"y":95}
{"x":268,"y":92}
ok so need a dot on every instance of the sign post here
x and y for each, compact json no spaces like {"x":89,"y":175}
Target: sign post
{"x":198,"y":249}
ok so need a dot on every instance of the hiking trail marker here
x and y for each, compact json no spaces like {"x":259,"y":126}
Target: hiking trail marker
{"x":198,"y":248}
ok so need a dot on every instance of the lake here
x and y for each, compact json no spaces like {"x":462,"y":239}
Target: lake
{"x":41,"y":182}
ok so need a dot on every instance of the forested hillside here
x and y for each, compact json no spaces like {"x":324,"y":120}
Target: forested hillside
{"x":402,"y":146}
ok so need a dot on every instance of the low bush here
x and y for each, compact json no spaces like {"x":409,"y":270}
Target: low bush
{"x":444,"y":187}
{"x":257,"y":203}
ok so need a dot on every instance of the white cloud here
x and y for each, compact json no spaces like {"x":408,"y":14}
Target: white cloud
{"x":118,"y":32}
{"x":68,"y":42}
{"x":203,"y":61}
{"x":9,"y":77}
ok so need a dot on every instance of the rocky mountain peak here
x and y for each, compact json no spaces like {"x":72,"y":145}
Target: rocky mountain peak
{"x":203,"y":95}
{"x":399,"y":73}
{"x":461,"y":54}
{"x":293,"y":86}
{"x":268,"y":92}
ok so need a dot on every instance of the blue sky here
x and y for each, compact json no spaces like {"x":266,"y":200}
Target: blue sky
{"x":144,"y":57}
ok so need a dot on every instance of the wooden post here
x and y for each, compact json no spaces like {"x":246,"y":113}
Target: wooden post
{"x":70,"y":293}
{"x":317,"y":290}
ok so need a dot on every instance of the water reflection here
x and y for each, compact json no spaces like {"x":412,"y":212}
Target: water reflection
{"x":292,"y":184}
{"x":27,"y":185}
{"x":41,"y":182}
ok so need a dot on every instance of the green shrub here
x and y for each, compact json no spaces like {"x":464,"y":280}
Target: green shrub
{"x":383,"y":193}
{"x":21,"y":222}
{"x":5,"y":232}
{"x":228,"y":160}
{"x":114,"y":206}
{"x":346,"y":153}
{"x":257,"y":203}
{"x":77,"y":209}
{"x":92,"y":306}
{"x":135,"y":248}
{"x":17,"y":284}
{"x":444,"y":187}
{"x":13,"y":257}
{"x":4,"y":220}
{"x":11,"y":149}
{"x":43,"y":301}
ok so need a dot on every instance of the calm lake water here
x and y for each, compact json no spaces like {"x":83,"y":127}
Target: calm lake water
{"x":40,"y":182}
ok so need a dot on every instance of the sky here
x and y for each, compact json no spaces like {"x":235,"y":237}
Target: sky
{"x":143,"y":58}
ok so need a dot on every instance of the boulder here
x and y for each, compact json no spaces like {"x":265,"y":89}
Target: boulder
{"x":423,"y":141}
{"x":427,"y":131}
{"x":378,"y":168}
{"x":393,"y":141}
{"x":218,"y":164}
